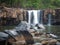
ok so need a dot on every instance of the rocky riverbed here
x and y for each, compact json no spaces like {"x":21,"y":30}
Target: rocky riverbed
{"x":40,"y":37}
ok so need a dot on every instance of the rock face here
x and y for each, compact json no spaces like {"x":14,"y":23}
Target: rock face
{"x":22,"y":26}
{"x":12,"y":14}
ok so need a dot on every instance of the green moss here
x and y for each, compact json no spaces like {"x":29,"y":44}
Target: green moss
{"x":36,"y":4}
{"x":2,"y":28}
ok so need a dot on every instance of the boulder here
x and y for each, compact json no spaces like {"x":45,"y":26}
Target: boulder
{"x":50,"y":42}
{"x":3,"y":36}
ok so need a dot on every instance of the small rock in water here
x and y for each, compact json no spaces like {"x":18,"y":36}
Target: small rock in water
{"x":50,"y":42}
{"x":53,"y":35}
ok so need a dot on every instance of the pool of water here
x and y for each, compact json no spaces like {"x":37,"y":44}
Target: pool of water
{"x":53,"y":29}
{"x":2,"y":28}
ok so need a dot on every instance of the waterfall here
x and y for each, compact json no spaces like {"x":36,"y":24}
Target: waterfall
{"x":29,"y":16}
{"x":40,"y":19}
{"x":32,"y":17}
{"x":38,"y":13}
{"x":40,"y":16}
{"x":35,"y":17}
{"x":49,"y":19}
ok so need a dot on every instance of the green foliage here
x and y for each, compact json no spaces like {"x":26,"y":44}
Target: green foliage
{"x":36,"y":4}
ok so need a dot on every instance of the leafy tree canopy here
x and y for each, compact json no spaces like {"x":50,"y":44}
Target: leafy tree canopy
{"x":36,"y":4}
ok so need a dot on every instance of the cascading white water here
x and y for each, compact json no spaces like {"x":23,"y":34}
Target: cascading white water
{"x":29,"y":17}
{"x":40,"y":16}
{"x":35,"y":16}
{"x":49,"y":19}
{"x":40,"y":19}
{"x":35,"y":21}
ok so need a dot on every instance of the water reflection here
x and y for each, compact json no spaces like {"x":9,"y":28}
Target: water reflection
{"x":2,"y":28}
{"x":49,"y":20}
{"x":53,"y":29}
{"x":49,"y":29}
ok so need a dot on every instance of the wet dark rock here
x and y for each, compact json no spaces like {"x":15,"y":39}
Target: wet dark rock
{"x":12,"y":33}
{"x":22,"y":26}
{"x":3,"y":36}
{"x":28,"y":37}
{"x":56,"y":23}
{"x":50,"y":42}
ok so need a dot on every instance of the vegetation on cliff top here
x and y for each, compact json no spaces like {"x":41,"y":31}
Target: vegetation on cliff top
{"x":36,"y":4}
